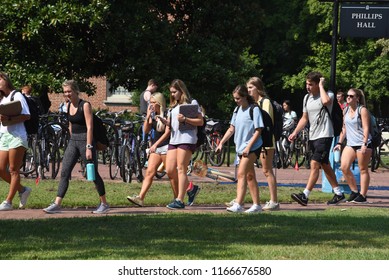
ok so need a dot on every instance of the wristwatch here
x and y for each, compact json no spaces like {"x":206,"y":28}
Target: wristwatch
{"x":89,"y":146}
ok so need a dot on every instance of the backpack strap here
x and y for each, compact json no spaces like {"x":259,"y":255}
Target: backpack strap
{"x":306,"y":100}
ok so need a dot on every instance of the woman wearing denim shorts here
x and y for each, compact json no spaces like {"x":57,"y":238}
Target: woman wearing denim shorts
{"x":13,"y":144}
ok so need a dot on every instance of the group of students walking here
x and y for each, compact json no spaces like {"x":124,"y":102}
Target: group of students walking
{"x":173,"y":145}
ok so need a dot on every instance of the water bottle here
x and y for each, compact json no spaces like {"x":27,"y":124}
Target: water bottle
{"x":90,"y":171}
{"x":337,"y":156}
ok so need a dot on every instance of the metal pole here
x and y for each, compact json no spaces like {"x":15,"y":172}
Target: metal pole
{"x":334,"y":45}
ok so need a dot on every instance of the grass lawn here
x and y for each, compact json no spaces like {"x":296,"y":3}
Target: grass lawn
{"x":331,"y":234}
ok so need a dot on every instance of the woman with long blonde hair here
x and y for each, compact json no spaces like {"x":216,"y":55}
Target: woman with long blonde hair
{"x":155,"y":119}
{"x":356,"y":119}
{"x":256,"y":89}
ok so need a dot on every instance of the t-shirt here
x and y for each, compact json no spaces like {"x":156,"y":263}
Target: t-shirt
{"x":245,"y":128}
{"x":289,"y":120}
{"x":319,"y":120}
{"x":181,"y":136}
{"x":17,"y":130}
{"x":144,"y":102}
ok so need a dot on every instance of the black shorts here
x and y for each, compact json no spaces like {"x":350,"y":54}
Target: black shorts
{"x":356,"y":148}
{"x":257,"y":152}
{"x":320,"y":149}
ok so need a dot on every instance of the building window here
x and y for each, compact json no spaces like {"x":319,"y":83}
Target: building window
{"x":119,"y":95}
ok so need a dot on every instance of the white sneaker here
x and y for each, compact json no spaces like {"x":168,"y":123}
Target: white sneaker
{"x":102,"y":209}
{"x":52,"y":209}
{"x":255,"y":208}
{"x":136,"y":200}
{"x":271,"y":206}
{"x":5,"y":206}
{"x":229,"y":204}
{"x":23,"y":197}
{"x":236,"y":208}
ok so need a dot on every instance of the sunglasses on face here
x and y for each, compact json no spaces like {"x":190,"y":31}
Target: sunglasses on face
{"x":351,"y":96}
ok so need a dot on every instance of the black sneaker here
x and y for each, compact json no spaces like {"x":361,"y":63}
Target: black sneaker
{"x":192,"y":194}
{"x":359,"y":199}
{"x":353,"y":196}
{"x":300,"y":198}
{"x":337,"y":199}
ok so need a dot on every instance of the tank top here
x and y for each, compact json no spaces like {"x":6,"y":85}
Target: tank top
{"x":78,"y":120}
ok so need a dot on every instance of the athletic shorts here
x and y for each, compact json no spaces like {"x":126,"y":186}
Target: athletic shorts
{"x":187,"y":147}
{"x":8,"y":141}
{"x":162,"y":150}
{"x":320,"y":149}
{"x":257,"y":152}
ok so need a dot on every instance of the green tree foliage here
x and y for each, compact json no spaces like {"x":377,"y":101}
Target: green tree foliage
{"x":211,"y":45}
{"x":361,"y":63}
{"x":44,"y":42}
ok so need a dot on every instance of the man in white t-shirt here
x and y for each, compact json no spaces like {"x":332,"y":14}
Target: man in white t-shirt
{"x":321,"y":133}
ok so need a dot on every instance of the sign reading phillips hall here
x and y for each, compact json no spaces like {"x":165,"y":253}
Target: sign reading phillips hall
{"x":371,"y":21}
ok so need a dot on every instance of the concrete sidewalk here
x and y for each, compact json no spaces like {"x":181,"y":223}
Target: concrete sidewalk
{"x":378,"y":196}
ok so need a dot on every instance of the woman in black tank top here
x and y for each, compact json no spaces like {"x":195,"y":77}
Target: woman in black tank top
{"x":80,"y":145}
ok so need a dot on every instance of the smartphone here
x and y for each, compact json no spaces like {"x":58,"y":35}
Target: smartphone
{"x":163,"y":120}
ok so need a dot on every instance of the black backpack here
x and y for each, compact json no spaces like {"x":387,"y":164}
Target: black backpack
{"x":201,"y":136}
{"x":99,"y":131}
{"x":336,"y":115}
{"x":278,"y":113}
{"x":267,"y":131}
{"x":32,"y":124}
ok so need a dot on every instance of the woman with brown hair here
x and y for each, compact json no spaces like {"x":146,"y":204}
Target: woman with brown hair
{"x":182,"y":143}
{"x":356,"y":121}
{"x":13,"y":144}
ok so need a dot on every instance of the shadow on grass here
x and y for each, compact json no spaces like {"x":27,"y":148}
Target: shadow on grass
{"x":357,"y":234}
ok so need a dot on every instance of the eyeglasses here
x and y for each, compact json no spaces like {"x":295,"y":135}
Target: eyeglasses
{"x":351,"y":96}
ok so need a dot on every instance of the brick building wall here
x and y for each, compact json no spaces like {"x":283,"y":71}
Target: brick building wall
{"x":99,"y":101}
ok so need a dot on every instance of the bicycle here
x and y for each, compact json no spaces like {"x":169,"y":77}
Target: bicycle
{"x":285,"y":149}
{"x":31,"y":157}
{"x":114,"y":132}
{"x":49,"y":155}
{"x":301,"y":148}
{"x":130,"y":163}
{"x":383,"y":149}
{"x":213,"y":138}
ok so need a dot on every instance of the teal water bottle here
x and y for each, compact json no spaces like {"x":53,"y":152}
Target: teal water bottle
{"x":90,"y":171}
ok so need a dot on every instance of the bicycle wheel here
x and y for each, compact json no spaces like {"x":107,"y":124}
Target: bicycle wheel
{"x":384,"y":154}
{"x":53,"y":158}
{"x":375,"y":159}
{"x":127,"y":161}
{"x":142,"y":144}
{"x":30,"y":158}
{"x":284,"y":152}
{"x":113,"y":162}
{"x":216,"y":159}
